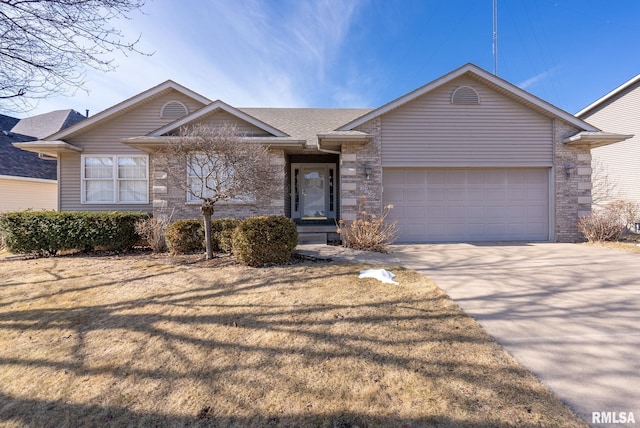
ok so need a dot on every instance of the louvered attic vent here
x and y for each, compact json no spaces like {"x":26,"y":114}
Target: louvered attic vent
{"x":465,"y":95}
{"x":173,"y":110}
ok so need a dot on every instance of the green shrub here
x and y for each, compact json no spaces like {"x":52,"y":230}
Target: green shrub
{"x":49,"y":232}
{"x":222,"y":233}
{"x":260,"y":241}
{"x":185,"y":236}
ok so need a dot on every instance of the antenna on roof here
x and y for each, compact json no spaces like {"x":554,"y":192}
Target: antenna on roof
{"x":495,"y":37}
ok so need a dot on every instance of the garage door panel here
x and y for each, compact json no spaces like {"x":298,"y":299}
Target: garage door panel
{"x":496,"y":194}
{"x":394,"y":176}
{"x":415,"y":177}
{"x":454,"y":177}
{"x":435,"y":205}
{"x":415,"y":213}
{"x":436,"y":195}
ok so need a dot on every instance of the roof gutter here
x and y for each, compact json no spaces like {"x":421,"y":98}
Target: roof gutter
{"x":150,"y":144}
{"x":595,"y":139}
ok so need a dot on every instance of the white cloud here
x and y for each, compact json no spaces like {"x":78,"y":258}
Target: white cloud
{"x":248,"y":53}
{"x":532,"y":81}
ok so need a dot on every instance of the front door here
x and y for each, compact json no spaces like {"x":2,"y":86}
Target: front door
{"x":313,"y":191}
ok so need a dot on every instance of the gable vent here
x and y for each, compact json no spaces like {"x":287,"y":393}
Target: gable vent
{"x":465,"y":95}
{"x":173,"y":110}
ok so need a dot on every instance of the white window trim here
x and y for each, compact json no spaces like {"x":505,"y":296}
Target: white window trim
{"x":115,"y":201}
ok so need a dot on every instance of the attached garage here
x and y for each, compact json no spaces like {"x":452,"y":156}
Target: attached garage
{"x":469,"y":204}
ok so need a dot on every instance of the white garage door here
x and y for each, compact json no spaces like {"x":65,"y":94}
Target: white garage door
{"x":467,"y":205}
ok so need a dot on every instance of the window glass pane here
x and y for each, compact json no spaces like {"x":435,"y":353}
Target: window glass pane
{"x":98,"y":167}
{"x":99,"y":191}
{"x":133,"y":191}
{"x":132,"y":167}
{"x":198,"y":189}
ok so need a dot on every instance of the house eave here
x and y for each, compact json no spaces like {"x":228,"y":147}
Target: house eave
{"x":48,"y":148}
{"x":345,"y":137}
{"x":595,"y":139}
{"x":151,"y":144}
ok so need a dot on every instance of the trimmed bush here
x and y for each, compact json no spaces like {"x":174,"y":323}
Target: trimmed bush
{"x":222,"y":233}
{"x":185,"y":236}
{"x":49,"y":232}
{"x":265,"y":240}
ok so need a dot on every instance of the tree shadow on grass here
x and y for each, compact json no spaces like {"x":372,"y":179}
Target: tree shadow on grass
{"x":237,"y":336}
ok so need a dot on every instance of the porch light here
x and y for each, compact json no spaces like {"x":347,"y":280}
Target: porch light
{"x":367,"y":171}
{"x":568,"y":167}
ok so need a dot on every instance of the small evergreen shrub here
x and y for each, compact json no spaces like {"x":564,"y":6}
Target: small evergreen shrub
{"x":222,"y":233}
{"x":185,"y":236}
{"x":265,"y":240}
{"x":49,"y":232}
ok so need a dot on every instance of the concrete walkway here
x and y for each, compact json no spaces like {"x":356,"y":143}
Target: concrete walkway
{"x":570,"y":313}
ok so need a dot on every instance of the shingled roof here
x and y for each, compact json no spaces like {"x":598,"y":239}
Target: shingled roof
{"x":43,"y":125}
{"x":306,"y":123}
{"x":19,"y":163}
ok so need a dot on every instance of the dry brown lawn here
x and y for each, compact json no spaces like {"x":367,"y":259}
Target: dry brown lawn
{"x":630,"y":247}
{"x":179,"y":341}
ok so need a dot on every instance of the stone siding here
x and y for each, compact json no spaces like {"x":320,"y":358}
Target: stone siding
{"x":169,"y":199}
{"x":353,"y":181}
{"x":572,"y":193}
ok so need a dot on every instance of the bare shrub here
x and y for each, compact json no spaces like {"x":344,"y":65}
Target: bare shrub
{"x":609,"y":222}
{"x":368,"y":231}
{"x":153,"y":231}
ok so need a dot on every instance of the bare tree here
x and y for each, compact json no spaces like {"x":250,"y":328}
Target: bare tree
{"x":45,"y":44}
{"x":604,"y":187}
{"x":217,"y":163}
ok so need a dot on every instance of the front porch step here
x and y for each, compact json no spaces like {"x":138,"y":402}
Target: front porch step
{"x":316,"y":228}
{"x":312,"y":238}
{"x":317,"y":233}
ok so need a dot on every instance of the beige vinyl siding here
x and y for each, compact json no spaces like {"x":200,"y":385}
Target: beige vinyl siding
{"x":18,"y":194}
{"x":431,"y":132}
{"x":620,"y":161}
{"x":105,"y":139}
{"x":221,"y":117}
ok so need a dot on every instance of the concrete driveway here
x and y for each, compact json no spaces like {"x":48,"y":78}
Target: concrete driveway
{"x":569,"y":313}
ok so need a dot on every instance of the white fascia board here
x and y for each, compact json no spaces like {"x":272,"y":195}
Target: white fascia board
{"x":50,"y":148}
{"x":169,"y":84}
{"x":483,"y":74}
{"x":608,"y":96}
{"x":30,"y":179}
{"x":152,"y":143}
{"x":595,"y":139}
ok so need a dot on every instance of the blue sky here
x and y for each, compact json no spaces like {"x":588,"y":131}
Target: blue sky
{"x":364,"y":53}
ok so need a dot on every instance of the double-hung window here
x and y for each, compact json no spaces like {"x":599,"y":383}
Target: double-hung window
{"x":115,"y":179}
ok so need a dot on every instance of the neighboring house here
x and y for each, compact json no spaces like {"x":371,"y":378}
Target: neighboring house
{"x":467,"y":157}
{"x":27,"y":181}
{"x":617,"y":167}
